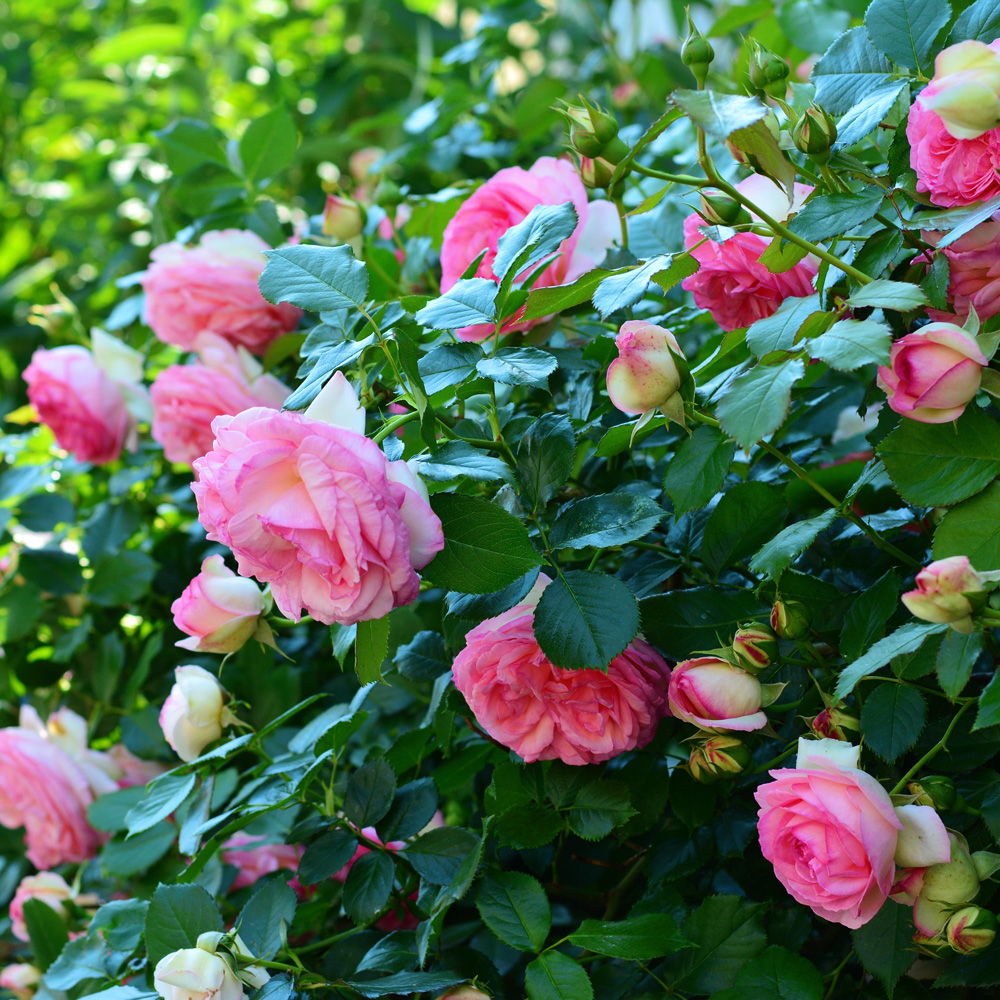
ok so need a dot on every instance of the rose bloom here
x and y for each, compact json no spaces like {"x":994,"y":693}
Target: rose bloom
{"x":48,"y":888}
{"x":948,"y":591}
{"x":218,"y":609}
{"x":213,"y":286}
{"x":195,"y":713}
{"x":200,"y":973}
{"x":43,"y":789}
{"x":731,"y":283}
{"x":933,"y":373}
{"x":225,"y":380}
{"x":714,"y":695}
{"x":965,"y":89}
{"x":81,"y":404}
{"x":543,"y":712}
{"x":644,"y":376}
{"x":21,"y":979}
{"x":505,"y":200}
{"x":974,"y":265}
{"x":254,"y":858}
{"x":134,"y":770}
{"x":317,"y":511}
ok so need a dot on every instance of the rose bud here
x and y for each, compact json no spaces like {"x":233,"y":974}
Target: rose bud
{"x":932,"y":373}
{"x":814,"y":133}
{"x":361,"y":161}
{"x":596,"y":173}
{"x":195,"y":713}
{"x":716,"y":696}
{"x":719,"y":757}
{"x":48,"y":888}
{"x":645,"y":375}
{"x":971,"y":929}
{"x":721,"y":210}
{"x":790,"y":619}
{"x":965,"y":89}
{"x":767,"y":71}
{"x":219,"y":610}
{"x":755,"y":647}
{"x":833,"y":723}
{"x":343,"y":219}
{"x":697,"y":53}
{"x":948,"y":591}
{"x":935,"y":790}
{"x":21,"y":979}
{"x":946,"y":887}
{"x":201,"y":973}
{"x":464,"y":993}
{"x":594,"y":132}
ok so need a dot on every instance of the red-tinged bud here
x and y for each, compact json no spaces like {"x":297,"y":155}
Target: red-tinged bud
{"x":790,"y":619}
{"x":717,"y":758}
{"x":833,"y":723}
{"x":755,"y":647}
{"x":971,"y":929}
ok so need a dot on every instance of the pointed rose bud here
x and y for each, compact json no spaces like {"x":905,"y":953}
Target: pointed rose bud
{"x":343,"y":219}
{"x":923,"y":841}
{"x":722,"y":210}
{"x":714,"y":695}
{"x":935,"y":790}
{"x":697,"y":53}
{"x":767,"y":71}
{"x":719,"y":757}
{"x":645,"y":375}
{"x":971,"y":929}
{"x":834,"y":723}
{"x":195,"y":713}
{"x":946,"y":887}
{"x":948,"y":591}
{"x":814,"y":133}
{"x":755,"y":647}
{"x":965,"y":90}
{"x":790,"y":619}
{"x":596,"y":173}
{"x":219,"y":610}
{"x":594,"y":132}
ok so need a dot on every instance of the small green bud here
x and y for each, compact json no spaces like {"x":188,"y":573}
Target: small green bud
{"x":595,"y":173}
{"x":767,"y":71}
{"x":935,"y":790}
{"x":593,"y":132}
{"x":814,"y":134}
{"x":790,"y":619}
{"x":697,"y":52}
{"x":722,"y":210}
{"x":387,"y":194}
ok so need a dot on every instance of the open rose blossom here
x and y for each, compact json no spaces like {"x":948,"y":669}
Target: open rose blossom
{"x":932,"y":373}
{"x":731,"y":282}
{"x":213,"y":286}
{"x":48,"y":888}
{"x":974,"y":267}
{"x":254,"y":858}
{"x":218,"y":610}
{"x":543,"y":712}
{"x":948,"y":591}
{"x":223,"y":381}
{"x":505,"y":200}
{"x":965,"y":89}
{"x":715,"y":695}
{"x":314,"y":508}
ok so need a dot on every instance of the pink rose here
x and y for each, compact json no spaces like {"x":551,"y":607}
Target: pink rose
{"x":316,"y":510}
{"x":194,"y":713}
{"x":948,"y":591}
{"x":974,"y":263}
{"x":965,"y":89}
{"x":505,"y":200}
{"x":255,"y":858}
{"x":543,"y":712}
{"x":43,"y":790}
{"x":218,"y":609}
{"x":133,"y":770}
{"x":21,"y":979}
{"x":731,"y":282}
{"x":932,"y":373}
{"x":213,"y":286}
{"x":644,"y":376}
{"x":224,"y":381}
{"x":714,"y":695}
{"x":48,"y":888}
{"x":343,"y":218}
{"x":952,"y":171}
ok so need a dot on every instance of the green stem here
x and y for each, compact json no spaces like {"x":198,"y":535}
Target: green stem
{"x":777,"y":760}
{"x":675,"y":178}
{"x":390,"y":425}
{"x":932,"y":753}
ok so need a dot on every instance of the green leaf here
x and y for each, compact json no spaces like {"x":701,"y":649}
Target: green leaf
{"x":108,"y":812}
{"x":682,"y":621}
{"x":866,"y":115}
{"x":988,"y":713}
{"x":370,"y":791}
{"x":892,"y":719}
{"x":485,"y":548}
{"x":829,"y":215}
{"x":412,"y":809}
{"x":718,"y":115}
{"x":935,"y":465}
{"x":368,"y":885}
{"x":684,"y":266}
{"x":315,"y":278}
{"x":775,"y":556}
{"x":972,"y":528}
{"x":46,"y":932}
{"x":142,"y":40}
{"x":849,"y":70}
{"x":555,"y":976}
{"x":120,"y":578}
{"x":851,"y":343}
{"x":448,"y":365}
{"x":641,"y":938}
{"x":371,"y":646}
{"x":162,"y":798}
{"x":980,"y":22}
{"x":958,"y":221}
{"x":905,"y":639}
{"x":138,"y":853}
{"x":599,"y":807}
{"x":743,"y":519}
{"x":905,"y":30}
{"x":326,"y":856}
{"x":458,"y":458}
{"x":956,"y":657}
{"x":438,"y":854}
{"x":469,"y":302}
{"x":764,"y":155}
{"x":266,"y":918}
{"x":481,"y":606}
{"x":865,"y":620}
{"x":188,"y":143}
{"x":547,"y":301}
{"x":519,"y":366}
{"x":756,"y":403}
{"x":121,"y":922}
{"x":405,"y":984}
{"x":515,"y":908}
{"x":52,"y":570}
{"x":82,"y":959}
{"x":884,"y":944}
{"x":268,"y":145}
{"x":604,"y":520}
{"x":897,"y":295}
{"x":878,"y":251}
{"x":585,"y":619}
{"x":545,"y":458}
{"x":533,"y":239}
{"x":777,"y":331}
{"x":624,"y":289}
{"x":698,"y":469}
{"x":177,"y":915}
{"x":338,"y":356}
{"x":779,"y":974}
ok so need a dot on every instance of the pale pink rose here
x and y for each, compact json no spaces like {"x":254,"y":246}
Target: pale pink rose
{"x":343,"y":218}
{"x":218,"y":609}
{"x":82,"y":405}
{"x":932,"y":373}
{"x":197,"y":974}
{"x":134,"y":770}
{"x":965,"y":89}
{"x":974,"y":264}
{"x":194,"y":713}
{"x":948,"y":591}
{"x":505,"y":200}
{"x":644,"y":376}
{"x":44,"y":790}
{"x":213,"y":286}
{"x":951,"y":171}
{"x":21,"y":979}
{"x":48,"y":888}
{"x":830,"y":832}
{"x":731,"y":282}
{"x":223,"y":381}
{"x":255,"y":858}
{"x":714,"y":695}
{"x":316,"y":511}
{"x":543,"y":712}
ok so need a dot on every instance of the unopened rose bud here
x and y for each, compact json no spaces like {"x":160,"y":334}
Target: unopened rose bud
{"x":716,"y":696}
{"x":971,"y":929}
{"x":755,"y":647}
{"x":343,"y":219}
{"x":626,"y":95}
{"x":935,"y":790}
{"x":834,"y":723}
{"x":594,"y":132}
{"x":946,"y":887}
{"x":720,"y":209}
{"x":790,"y":619}
{"x":948,"y":590}
{"x":195,"y":712}
{"x":965,"y":90}
{"x":464,"y":993}
{"x":814,"y":133}
{"x":767,"y":71}
{"x":645,"y":375}
{"x":717,"y":758}
{"x":697,"y":53}
{"x":21,"y":979}
{"x":596,"y":173}
{"x":205,"y":973}
{"x":388,"y":194}
{"x":362,"y":160}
